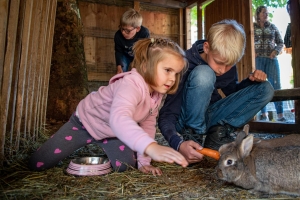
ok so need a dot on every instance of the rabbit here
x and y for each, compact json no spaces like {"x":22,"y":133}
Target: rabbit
{"x":260,"y":165}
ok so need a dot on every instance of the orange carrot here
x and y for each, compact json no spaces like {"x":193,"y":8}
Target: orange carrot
{"x":210,"y":152}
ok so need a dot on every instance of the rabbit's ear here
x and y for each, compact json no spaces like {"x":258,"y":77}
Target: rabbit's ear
{"x":240,"y":137}
{"x":225,"y":148}
{"x":246,"y":146}
{"x":246,"y":129}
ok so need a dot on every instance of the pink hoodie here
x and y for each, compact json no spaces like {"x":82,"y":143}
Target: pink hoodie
{"x":123,"y":109}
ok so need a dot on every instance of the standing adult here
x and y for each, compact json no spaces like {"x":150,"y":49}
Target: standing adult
{"x":268,"y":44}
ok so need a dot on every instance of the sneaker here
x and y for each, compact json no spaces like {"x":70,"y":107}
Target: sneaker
{"x":281,"y":119}
{"x":190,"y":134}
{"x":264,"y":118}
{"x":219,"y":135}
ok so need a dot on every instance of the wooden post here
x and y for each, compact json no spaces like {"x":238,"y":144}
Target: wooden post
{"x":295,"y":17}
{"x":40,"y":65}
{"x":8,"y":70}
{"x":3,"y":28}
{"x":45,"y":85}
{"x":31,"y":87}
{"x":22,"y":70}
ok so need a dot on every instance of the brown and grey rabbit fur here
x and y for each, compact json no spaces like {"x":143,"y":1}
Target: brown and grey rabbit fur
{"x":267,"y":166}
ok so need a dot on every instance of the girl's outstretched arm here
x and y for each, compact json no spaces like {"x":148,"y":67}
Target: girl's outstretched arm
{"x":165,"y":154}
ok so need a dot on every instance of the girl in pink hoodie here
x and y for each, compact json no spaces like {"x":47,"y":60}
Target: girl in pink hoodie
{"x":121,"y":117}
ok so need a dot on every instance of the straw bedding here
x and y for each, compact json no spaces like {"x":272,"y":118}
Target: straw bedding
{"x":195,"y":182}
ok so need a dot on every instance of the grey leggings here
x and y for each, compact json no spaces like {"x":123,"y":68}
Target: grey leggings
{"x":72,"y":136}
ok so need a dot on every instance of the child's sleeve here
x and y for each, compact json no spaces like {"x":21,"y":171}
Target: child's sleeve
{"x":137,"y":135}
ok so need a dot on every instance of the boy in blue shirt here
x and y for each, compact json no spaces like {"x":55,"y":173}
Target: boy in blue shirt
{"x":197,"y":109}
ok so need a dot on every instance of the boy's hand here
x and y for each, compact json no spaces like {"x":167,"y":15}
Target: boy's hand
{"x":258,"y":76}
{"x":149,"y":168}
{"x":165,"y":154}
{"x":119,"y":69}
{"x":188,"y":150}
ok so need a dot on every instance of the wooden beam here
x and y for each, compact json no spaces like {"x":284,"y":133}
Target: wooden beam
{"x":286,"y":94}
{"x":3,"y":29}
{"x":8,"y":71}
{"x":271,"y":127}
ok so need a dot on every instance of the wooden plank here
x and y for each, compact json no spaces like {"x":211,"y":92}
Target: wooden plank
{"x":31,"y":65}
{"x":23,"y":68}
{"x":50,"y":33}
{"x":8,"y":71}
{"x":295,"y":17}
{"x":3,"y":28}
{"x":15,"y":77}
{"x":271,"y":127}
{"x":286,"y":94}
{"x":40,"y":65}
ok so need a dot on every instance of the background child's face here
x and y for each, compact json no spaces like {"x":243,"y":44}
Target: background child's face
{"x":166,"y":71}
{"x":129,"y":31}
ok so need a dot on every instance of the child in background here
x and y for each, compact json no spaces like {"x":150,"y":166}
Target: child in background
{"x":130,"y":30}
{"x":121,"y":117}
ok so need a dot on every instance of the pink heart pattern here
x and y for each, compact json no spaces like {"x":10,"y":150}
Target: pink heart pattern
{"x":57,"y":151}
{"x":105,"y":141}
{"x":89,"y":141}
{"x":122,"y":147}
{"x":39,"y":164}
{"x":75,"y":128}
{"x":68,"y":137}
{"x":118,"y":164}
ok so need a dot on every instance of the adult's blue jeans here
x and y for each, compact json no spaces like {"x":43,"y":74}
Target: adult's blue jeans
{"x":271,"y":68}
{"x":236,"y":109}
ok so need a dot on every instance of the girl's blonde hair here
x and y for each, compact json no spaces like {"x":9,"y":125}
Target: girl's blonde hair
{"x":131,"y":18}
{"x":149,"y":52}
{"x":228,"y":39}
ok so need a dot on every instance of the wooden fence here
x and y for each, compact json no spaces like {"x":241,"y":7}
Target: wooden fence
{"x":26,"y":36}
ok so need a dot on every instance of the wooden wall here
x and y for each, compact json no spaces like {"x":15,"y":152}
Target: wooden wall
{"x":26,"y":32}
{"x":101,"y":21}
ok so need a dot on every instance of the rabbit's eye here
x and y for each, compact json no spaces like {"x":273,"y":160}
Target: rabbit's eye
{"x":229,"y":162}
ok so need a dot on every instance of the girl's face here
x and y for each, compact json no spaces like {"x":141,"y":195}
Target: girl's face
{"x":263,"y":15}
{"x":166,"y":72}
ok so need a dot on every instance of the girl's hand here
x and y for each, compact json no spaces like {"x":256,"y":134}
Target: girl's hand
{"x":165,"y":154}
{"x":149,"y":168}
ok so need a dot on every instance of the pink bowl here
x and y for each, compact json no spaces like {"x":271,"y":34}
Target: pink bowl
{"x":89,"y":166}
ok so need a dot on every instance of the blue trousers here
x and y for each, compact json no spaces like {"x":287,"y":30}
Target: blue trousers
{"x":126,"y":60}
{"x":271,"y":68}
{"x":236,"y":109}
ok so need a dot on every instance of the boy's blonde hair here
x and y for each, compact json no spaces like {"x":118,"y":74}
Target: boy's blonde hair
{"x":228,"y":39}
{"x":149,"y":52}
{"x":131,"y":18}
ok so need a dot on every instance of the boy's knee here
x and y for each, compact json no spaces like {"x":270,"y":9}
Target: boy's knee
{"x":268,"y":89}
{"x":202,"y":75}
